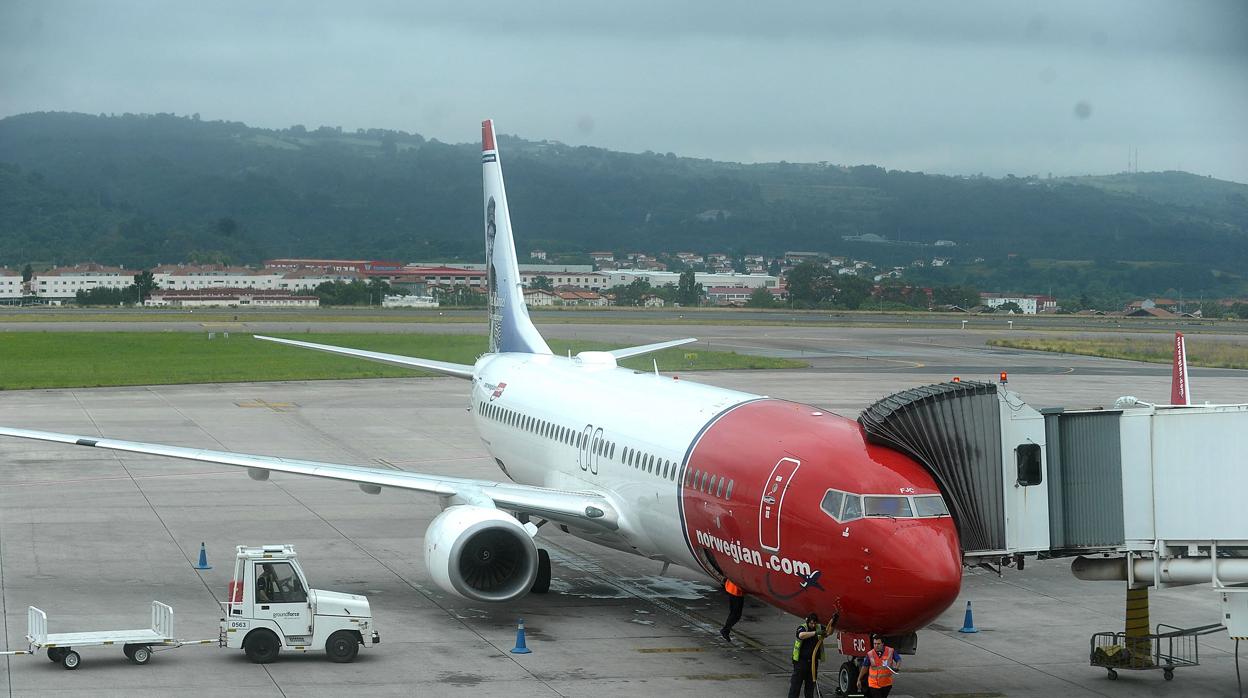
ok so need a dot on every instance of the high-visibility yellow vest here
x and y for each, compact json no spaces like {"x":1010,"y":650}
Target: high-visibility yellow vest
{"x":797,"y":647}
{"x":878,"y":675}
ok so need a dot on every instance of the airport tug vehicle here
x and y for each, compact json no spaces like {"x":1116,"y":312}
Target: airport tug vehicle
{"x":269,"y":608}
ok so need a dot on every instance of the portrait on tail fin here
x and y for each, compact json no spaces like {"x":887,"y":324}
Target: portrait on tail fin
{"x":491,"y":277}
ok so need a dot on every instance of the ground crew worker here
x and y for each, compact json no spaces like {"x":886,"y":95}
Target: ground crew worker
{"x":877,"y":667}
{"x":266,"y":584}
{"x":736,"y":604}
{"x":805,"y":657}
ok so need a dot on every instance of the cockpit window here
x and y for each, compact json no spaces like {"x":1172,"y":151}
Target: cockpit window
{"x":896,"y":507}
{"x":847,"y":506}
{"x":832,"y":503}
{"x":930,"y":506}
{"x":853,"y":508}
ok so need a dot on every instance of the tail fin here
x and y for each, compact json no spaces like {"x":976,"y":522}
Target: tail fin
{"x":1180,"y":389}
{"x":511,"y":330}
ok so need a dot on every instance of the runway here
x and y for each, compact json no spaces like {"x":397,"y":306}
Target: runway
{"x":92,"y":537}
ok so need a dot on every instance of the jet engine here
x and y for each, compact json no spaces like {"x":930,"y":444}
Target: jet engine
{"x":480,"y":553}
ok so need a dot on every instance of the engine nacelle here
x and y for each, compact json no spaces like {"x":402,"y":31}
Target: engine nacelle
{"x":480,"y":553}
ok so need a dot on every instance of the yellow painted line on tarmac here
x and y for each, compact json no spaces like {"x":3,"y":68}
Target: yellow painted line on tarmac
{"x":265,"y":404}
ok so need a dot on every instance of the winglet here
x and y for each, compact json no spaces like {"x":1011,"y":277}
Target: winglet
{"x":511,"y":330}
{"x":1180,"y":389}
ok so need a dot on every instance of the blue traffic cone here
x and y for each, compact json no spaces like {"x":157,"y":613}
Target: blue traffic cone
{"x":968,"y":624}
{"x":203,"y":559}
{"x":520,"y":647}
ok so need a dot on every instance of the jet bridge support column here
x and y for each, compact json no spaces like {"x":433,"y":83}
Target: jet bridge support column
{"x":1137,"y":627}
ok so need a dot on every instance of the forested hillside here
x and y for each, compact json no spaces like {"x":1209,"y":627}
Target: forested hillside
{"x":139,"y":190}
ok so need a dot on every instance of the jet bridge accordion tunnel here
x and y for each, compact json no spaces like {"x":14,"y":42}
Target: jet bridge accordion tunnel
{"x":985,"y":448}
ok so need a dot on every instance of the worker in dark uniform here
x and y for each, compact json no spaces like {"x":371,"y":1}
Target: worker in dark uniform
{"x":807,"y":652}
{"x":878,"y":668}
{"x":736,"y":604}
{"x":267,"y":588}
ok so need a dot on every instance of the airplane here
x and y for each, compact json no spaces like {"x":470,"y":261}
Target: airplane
{"x":790,"y":502}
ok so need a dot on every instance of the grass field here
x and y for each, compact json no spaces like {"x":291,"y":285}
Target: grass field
{"x":92,"y":359}
{"x":1210,"y":354}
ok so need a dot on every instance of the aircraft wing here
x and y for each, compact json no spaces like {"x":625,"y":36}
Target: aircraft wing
{"x":443,"y":367}
{"x":577,"y":509}
{"x":627,"y":352}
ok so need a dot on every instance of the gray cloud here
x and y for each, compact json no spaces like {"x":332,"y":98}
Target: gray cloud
{"x":989,"y":87}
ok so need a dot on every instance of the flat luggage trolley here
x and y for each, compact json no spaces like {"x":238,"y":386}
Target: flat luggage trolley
{"x":1167,"y":649}
{"x":136,"y":644}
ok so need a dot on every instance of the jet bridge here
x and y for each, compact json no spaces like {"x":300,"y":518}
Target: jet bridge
{"x":1163,"y":487}
{"x":984,"y":446}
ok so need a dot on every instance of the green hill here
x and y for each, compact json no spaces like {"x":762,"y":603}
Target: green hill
{"x":141,"y":189}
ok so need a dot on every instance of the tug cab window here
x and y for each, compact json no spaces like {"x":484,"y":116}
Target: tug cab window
{"x":276,"y":582}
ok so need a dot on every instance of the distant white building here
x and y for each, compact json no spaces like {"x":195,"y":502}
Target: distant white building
{"x":1027,"y":305}
{"x":623,"y":277}
{"x":728,"y":295}
{"x":184,"y":277}
{"x":580,"y":298}
{"x":65,"y":282}
{"x":538,"y":297}
{"x":409,"y":302}
{"x":586,"y":280}
{"x":308,"y":279}
{"x":10,"y":285}
{"x":229,"y":298}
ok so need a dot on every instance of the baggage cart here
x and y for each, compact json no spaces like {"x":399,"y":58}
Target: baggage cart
{"x":1167,"y":649}
{"x":136,"y":644}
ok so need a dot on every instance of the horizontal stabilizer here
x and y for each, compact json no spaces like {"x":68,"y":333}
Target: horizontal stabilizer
{"x":649,"y":348}
{"x":444,"y":367}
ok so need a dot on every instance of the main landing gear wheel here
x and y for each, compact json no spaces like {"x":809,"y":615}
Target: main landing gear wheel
{"x":342,"y":646}
{"x":70,"y":660}
{"x":541,"y":584}
{"x":261,"y":646}
{"x":56,"y":654}
{"x":846,"y":678}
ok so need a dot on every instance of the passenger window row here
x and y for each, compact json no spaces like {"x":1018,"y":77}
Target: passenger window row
{"x":650,"y":463}
{"x":713,"y":485}
{"x":547,"y":430}
{"x":634,"y":458}
{"x":847,"y":506}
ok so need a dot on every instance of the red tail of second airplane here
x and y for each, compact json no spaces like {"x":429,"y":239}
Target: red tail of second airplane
{"x":1180,"y":390}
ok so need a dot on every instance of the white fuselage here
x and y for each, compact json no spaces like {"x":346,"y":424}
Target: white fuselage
{"x":582,"y":424}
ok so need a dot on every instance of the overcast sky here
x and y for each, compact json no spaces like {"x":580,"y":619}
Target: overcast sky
{"x":952,"y":87}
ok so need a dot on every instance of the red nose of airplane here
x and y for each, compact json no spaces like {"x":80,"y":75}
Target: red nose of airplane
{"x":918,"y":574}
